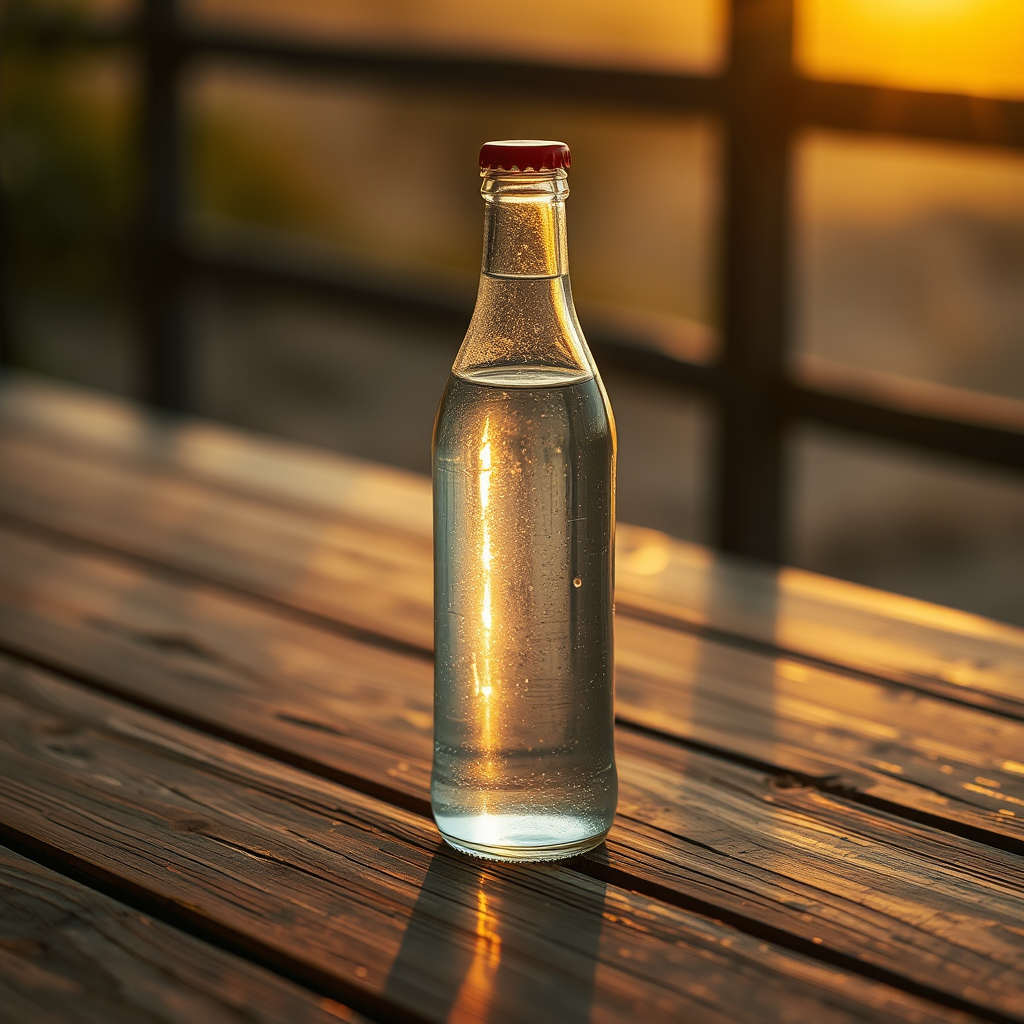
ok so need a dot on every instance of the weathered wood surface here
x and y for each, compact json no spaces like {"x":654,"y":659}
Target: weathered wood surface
{"x":358,"y":895}
{"x":71,"y":954}
{"x":279,"y":599}
{"x":922,"y":753}
{"x":940,"y":911}
{"x":921,"y":645}
{"x":355,"y":573}
{"x":216,"y":660}
{"x":915,"y":751}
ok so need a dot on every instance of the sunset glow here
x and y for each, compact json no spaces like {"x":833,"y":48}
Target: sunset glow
{"x":973,"y":46}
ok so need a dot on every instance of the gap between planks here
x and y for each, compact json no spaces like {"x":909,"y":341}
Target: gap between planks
{"x":194,"y":800}
{"x":74,"y":950}
{"x":647,"y":704}
{"x":321,"y":484}
{"x":395,"y":795}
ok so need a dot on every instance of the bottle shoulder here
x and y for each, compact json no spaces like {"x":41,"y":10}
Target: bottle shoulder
{"x":524,"y":323}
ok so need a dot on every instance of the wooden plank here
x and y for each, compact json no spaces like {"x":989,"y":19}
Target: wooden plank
{"x":262,"y":467}
{"x":959,"y":765}
{"x":953,"y":763}
{"x":942,"y":650}
{"x":69,"y":953}
{"x":348,"y":571}
{"x":354,"y":573}
{"x":936,"y":909}
{"x":766,"y":853}
{"x":219,"y":661}
{"x":359,"y":893}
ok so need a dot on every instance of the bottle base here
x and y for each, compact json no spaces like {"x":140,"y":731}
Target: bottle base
{"x":530,"y":845}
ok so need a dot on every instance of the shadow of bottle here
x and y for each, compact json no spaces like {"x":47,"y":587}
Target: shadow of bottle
{"x":500,"y":942}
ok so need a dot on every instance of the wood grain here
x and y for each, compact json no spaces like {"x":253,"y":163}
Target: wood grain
{"x":769,"y":855}
{"x":358,"y":892}
{"x":354,"y":573}
{"x":68,"y":953}
{"x":940,"y":650}
{"x":918,"y":752}
{"x":936,"y":909}
{"x":919,"y":644}
{"x":320,"y":699}
{"x":954,"y":763}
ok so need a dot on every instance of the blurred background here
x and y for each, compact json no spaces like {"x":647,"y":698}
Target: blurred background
{"x":904,"y":255}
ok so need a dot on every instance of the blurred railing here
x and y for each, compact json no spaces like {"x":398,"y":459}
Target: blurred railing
{"x":761,"y":102}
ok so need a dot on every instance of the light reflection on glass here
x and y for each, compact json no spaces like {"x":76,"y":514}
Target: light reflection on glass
{"x":483,"y":674}
{"x":485,"y":688}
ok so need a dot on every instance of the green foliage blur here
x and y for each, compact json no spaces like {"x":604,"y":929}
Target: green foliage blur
{"x":65,"y":157}
{"x":245,"y":176}
{"x":69,"y":159}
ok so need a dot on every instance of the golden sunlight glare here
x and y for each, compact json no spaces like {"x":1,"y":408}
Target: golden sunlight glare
{"x":972,"y":46}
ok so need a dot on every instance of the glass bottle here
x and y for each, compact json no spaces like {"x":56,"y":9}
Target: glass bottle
{"x":524,"y":522}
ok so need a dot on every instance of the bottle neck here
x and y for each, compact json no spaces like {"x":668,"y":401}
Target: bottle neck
{"x":524,"y":325}
{"x":524,"y":225}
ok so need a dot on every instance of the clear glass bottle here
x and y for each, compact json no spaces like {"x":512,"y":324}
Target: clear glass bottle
{"x":524,"y":524}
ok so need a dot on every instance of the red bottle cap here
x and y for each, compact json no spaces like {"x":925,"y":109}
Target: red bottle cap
{"x":524,"y":155}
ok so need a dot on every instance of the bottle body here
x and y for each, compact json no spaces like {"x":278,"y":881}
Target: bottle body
{"x":524,"y":762}
{"x":524,"y":518}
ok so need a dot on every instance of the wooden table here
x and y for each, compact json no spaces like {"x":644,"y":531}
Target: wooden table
{"x":215,"y":735}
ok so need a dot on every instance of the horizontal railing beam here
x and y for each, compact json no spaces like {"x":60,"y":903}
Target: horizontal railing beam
{"x":945,"y":117}
{"x":233,"y":265}
{"x":450,"y":72}
{"x":461,"y":73}
{"x":979,"y":442}
{"x":931,"y":430}
{"x":841,"y":106}
{"x":443,"y":305}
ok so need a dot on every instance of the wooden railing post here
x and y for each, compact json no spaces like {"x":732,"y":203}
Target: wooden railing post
{"x":749,"y":487}
{"x":6,"y":341}
{"x":165,"y":362}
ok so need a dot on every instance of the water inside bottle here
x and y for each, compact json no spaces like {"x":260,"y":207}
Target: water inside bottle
{"x":524,"y":759}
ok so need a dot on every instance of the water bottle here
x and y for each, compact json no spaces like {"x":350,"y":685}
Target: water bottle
{"x":524,"y":526}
